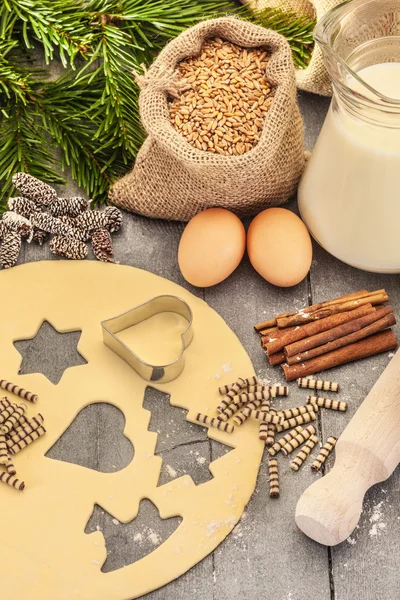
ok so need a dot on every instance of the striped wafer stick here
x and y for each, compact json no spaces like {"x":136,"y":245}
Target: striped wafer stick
{"x":234,"y":388}
{"x":300,"y":420}
{"x":295,"y":412}
{"x":26,"y":426}
{"x":11,"y":470}
{"x":225,"y":402}
{"x":298,"y":439}
{"x":303,"y":453}
{"x":264,"y":431}
{"x":26,"y":441}
{"x":241,"y":417}
{"x":279,"y":390}
{"x":271,"y":431}
{"x":12,"y":481}
{"x":243,"y":399}
{"x":13,"y":420}
{"x":224,"y":389}
{"x":4,"y":403}
{"x":273,"y":478}
{"x":230,"y":411}
{"x":18,"y":391}
{"x":276,"y":447}
{"x":263,"y":415}
{"x":3,"y":449}
{"x":217,"y":423}
{"x":324,"y":453}
{"x":247,"y":397}
{"x":258,"y":388}
{"x":24,"y":431}
{"x":318,"y":384}
{"x":6,"y":413}
{"x":237,"y":386}
{"x":327,"y":403}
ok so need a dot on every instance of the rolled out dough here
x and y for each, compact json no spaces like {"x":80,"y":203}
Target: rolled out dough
{"x":44,"y":552}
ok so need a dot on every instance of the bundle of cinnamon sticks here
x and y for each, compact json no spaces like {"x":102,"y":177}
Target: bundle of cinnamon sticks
{"x":329,"y":334}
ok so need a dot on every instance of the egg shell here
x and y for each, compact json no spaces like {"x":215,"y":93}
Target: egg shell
{"x":211,"y":247}
{"x":279,"y":247}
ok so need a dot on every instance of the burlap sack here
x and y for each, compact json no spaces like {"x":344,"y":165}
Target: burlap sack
{"x":315,"y":78}
{"x":173,"y":180}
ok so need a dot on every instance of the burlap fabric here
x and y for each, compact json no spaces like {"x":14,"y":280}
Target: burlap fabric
{"x":315,"y":78}
{"x":173,"y":180}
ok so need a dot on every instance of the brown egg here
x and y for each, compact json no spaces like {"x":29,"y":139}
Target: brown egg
{"x":211,"y":247}
{"x":279,"y":247}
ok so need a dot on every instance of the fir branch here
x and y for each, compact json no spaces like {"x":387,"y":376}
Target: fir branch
{"x":24,"y":147}
{"x":91,"y":114}
{"x":63,"y":109}
{"x":298,"y":30}
{"x":60,"y":24}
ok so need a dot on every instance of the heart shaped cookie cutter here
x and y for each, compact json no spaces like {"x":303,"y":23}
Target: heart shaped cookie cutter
{"x":142,"y":312}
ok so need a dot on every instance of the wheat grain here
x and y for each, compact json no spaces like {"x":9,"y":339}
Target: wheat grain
{"x":225,"y":99}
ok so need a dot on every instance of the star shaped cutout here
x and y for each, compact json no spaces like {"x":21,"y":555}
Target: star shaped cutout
{"x":50,"y":352}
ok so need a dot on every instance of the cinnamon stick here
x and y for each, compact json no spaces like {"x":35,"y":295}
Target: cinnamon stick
{"x":268,"y":331}
{"x":277,"y":359}
{"x":336,"y":332}
{"x":379,"y":325}
{"x":277,"y":333}
{"x":272,"y":322}
{"x":374,"y":298}
{"x":384,"y":341}
{"x":299,"y":333}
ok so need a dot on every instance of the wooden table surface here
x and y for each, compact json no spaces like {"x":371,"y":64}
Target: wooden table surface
{"x":266,"y":556}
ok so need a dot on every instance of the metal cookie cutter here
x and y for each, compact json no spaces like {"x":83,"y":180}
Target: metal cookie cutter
{"x":159,"y":304}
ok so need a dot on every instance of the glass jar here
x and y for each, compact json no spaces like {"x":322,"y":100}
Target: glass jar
{"x":349,"y":195}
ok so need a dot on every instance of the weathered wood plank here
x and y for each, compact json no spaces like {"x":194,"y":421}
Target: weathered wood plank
{"x":266,"y":553}
{"x":363,"y":567}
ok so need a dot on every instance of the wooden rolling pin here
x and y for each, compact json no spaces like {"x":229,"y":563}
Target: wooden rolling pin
{"x":367,"y":452}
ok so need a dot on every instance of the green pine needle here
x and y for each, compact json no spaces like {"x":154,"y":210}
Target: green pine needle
{"x":87,"y":121}
{"x":298,"y":30}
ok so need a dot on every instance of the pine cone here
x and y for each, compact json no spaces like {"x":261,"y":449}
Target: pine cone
{"x":79,"y":234}
{"x":71,"y":207}
{"x":18,"y":223}
{"x":110,"y":219}
{"x":102,"y":245}
{"x":9,"y":249}
{"x":22,"y":206}
{"x":51,"y":224}
{"x":39,"y":236}
{"x":34,"y":189}
{"x":4,"y":229}
{"x":68,"y":247}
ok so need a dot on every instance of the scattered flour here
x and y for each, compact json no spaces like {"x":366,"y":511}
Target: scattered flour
{"x":171,"y":472}
{"x":215,"y":526}
{"x":115,"y":521}
{"x":217,"y":376}
{"x":391,"y":354}
{"x":154,"y":538}
{"x":351,"y":541}
{"x":201,"y":460}
{"x":376,"y":519}
{"x":98,"y":527}
{"x":226,"y":367}
{"x":138,"y":537}
{"x":95,"y":562}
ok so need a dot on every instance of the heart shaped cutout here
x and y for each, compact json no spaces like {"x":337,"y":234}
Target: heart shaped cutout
{"x":103,"y":446}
